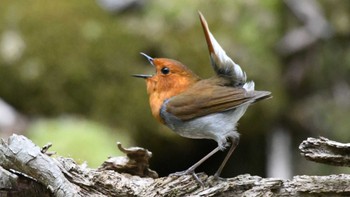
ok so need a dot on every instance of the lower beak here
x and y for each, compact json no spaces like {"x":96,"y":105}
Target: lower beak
{"x":142,"y":76}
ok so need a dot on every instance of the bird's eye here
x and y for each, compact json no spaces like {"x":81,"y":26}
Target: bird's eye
{"x":165,"y":70}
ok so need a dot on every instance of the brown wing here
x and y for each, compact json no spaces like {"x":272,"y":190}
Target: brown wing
{"x":206,"y":99}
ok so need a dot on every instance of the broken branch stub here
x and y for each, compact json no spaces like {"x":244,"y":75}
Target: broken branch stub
{"x":323,"y":150}
{"x":136,"y":162}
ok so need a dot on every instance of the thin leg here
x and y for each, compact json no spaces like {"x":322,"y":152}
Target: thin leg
{"x":191,"y":169}
{"x":194,"y":166}
{"x":233,"y":146}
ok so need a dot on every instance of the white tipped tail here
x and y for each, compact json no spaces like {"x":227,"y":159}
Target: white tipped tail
{"x":223,"y":65}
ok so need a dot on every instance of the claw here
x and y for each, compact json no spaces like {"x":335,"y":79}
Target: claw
{"x":189,"y":172}
{"x":200,"y":182}
{"x":218,"y":178}
{"x":181,"y":173}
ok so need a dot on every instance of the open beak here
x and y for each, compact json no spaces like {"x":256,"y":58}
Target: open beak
{"x":142,"y":75}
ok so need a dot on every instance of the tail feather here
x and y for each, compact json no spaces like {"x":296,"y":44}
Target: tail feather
{"x":262,"y":95}
{"x":223,"y":65}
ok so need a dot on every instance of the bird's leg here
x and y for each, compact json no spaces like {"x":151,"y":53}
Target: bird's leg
{"x":191,"y":169}
{"x":233,"y":146}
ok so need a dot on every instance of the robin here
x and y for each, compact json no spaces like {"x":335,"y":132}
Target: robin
{"x":202,"y":108}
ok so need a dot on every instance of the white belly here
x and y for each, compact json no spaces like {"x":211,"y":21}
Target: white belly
{"x":217,"y":126}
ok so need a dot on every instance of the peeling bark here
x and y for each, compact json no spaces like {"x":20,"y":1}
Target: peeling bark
{"x":26,"y":171}
{"x":323,"y":150}
{"x":20,"y":154}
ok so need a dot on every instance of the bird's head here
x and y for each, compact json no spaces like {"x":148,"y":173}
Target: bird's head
{"x":171,"y":77}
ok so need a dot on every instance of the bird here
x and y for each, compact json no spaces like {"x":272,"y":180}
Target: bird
{"x":202,"y":108}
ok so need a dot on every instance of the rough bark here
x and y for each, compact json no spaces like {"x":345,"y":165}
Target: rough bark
{"x":323,"y":150}
{"x":28,"y":171}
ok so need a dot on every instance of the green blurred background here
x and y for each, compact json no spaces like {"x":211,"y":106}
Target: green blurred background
{"x":65,"y":69}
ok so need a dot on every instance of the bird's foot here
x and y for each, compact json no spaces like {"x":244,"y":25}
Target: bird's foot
{"x":214,"y":180}
{"x":189,"y":172}
{"x":181,"y":173}
{"x":216,"y":177}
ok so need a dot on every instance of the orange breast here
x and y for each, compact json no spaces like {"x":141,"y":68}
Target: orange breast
{"x":159,"y":91}
{"x":156,"y":101}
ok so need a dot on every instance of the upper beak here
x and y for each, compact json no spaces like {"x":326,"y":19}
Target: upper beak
{"x":148,"y":57}
{"x":142,"y":75}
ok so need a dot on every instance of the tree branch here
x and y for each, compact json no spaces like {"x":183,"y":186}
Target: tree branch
{"x":21,"y":159}
{"x":323,"y":150}
{"x":20,"y":154}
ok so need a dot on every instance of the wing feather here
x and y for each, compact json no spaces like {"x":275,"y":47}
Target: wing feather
{"x":205,"y":99}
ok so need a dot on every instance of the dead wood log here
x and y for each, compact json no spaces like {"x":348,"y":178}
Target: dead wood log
{"x":27,"y":171}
